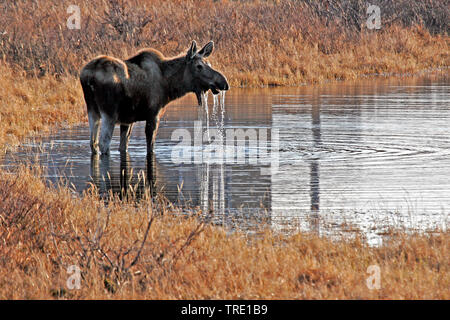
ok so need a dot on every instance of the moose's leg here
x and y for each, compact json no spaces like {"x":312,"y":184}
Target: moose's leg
{"x":94,"y":128}
{"x":125,"y":179}
{"x":95,"y":170}
{"x":151,"y":129}
{"x":151,"y":174}
{"x":100,"y":167}
{"x":125,"y":133}
{"x":106,"y":133}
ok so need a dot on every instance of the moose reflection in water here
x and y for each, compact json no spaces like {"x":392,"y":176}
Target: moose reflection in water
{"x":208,"y":185}
{"x":124,"y":183}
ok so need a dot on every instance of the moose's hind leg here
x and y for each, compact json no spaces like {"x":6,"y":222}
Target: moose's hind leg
{"x":94,"y":128}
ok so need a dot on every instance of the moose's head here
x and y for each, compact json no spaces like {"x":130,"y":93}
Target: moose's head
{"x":202,"y":76}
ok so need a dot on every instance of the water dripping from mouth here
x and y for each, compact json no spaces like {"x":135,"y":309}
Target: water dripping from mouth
{"x":206,"y":110}
{"x":219,"y":102}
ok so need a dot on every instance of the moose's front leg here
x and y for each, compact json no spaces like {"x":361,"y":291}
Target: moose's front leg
{"x":151,"y":174}
{"x":125,"y":133}
{"x":151,"y":129}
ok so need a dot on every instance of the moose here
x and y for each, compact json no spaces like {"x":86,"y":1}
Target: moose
{"x":138,"y":89}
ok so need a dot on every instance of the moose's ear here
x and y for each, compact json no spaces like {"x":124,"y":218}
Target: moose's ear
{"x":206,"y":50}
{"x":192,"y":50}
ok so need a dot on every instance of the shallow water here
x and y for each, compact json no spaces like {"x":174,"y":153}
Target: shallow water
{"x":331,"y":159}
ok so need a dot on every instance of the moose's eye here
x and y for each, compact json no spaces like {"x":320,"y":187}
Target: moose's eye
{"x":199,"y":67}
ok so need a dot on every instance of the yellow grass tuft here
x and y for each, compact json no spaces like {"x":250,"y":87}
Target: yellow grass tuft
{"x":30,"y":105}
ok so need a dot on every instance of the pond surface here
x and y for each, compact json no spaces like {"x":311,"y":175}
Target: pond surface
{"x":331,"y":159}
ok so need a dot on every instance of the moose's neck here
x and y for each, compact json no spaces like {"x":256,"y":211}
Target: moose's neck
{"x":173,"y":71}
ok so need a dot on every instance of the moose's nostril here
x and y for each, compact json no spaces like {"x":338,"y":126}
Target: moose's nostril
{"x":223,"y":85}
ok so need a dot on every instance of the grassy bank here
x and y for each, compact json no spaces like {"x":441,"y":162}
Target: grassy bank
{"x":149,"y":250}
{"x":30,"y":105}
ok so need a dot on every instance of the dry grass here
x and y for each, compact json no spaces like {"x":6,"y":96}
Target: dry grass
{"x":30,"y":105}
{"x":258,"y":42}
{"x":43,"y":230}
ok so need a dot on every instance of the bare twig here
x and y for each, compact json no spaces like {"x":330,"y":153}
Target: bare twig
{"x":138,"y":254}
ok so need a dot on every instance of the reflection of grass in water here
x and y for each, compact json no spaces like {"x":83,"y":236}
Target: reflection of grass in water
{"x":373,"y":226}
{"x":154,"y":250}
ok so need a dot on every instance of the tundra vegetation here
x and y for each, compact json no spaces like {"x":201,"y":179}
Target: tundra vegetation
{"x":148,"y":249}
